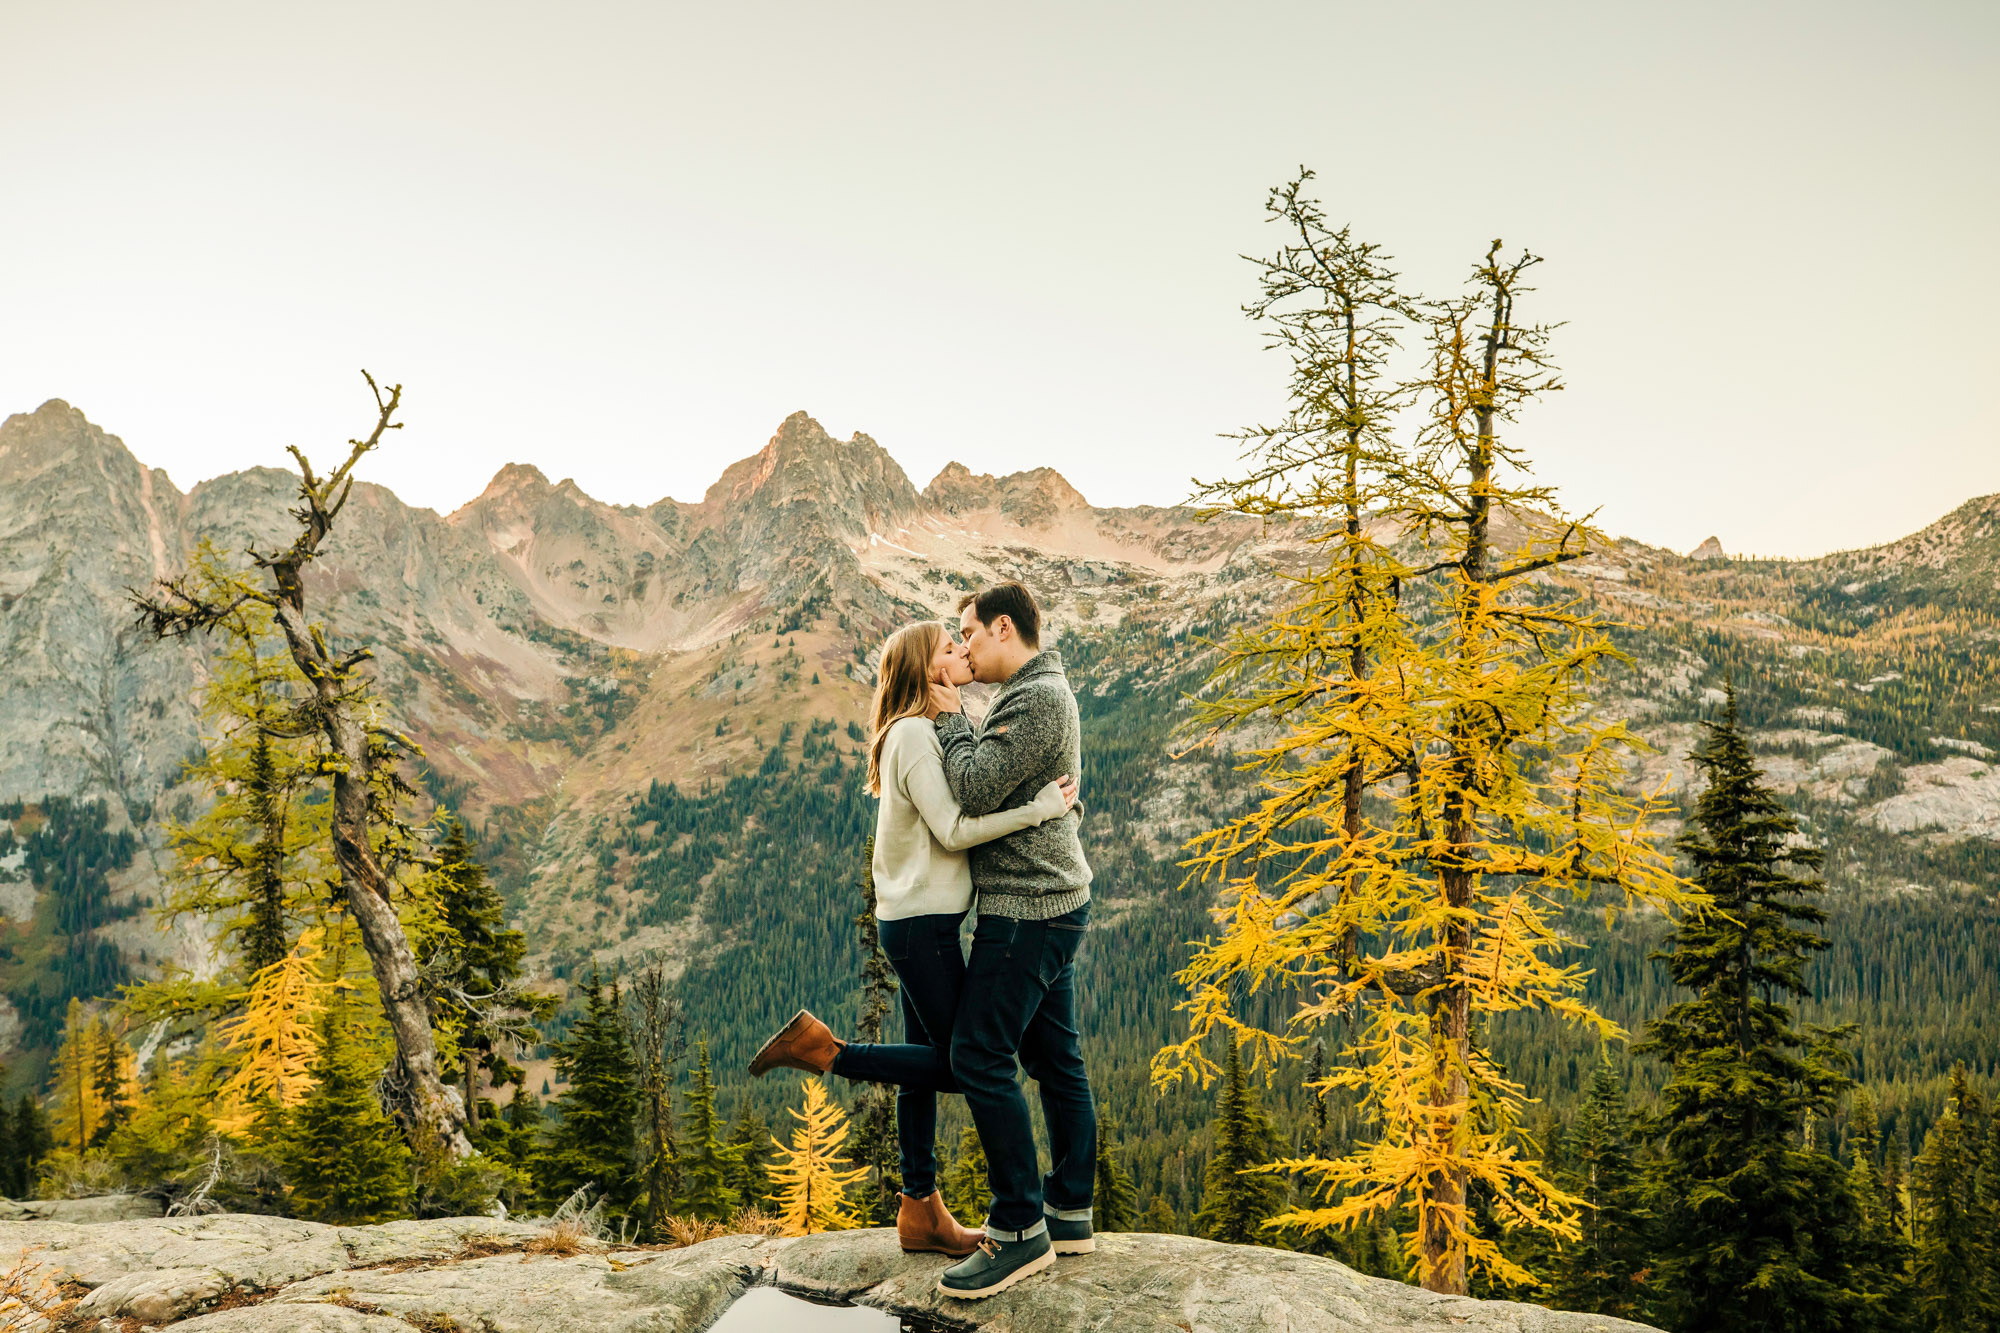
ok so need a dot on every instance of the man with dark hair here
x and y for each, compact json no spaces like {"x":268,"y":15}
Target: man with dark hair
{"x":1033,"y":899}
{"x":1009,"y":600}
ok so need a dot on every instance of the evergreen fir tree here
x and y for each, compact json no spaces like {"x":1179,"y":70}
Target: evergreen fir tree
{"x":28,"y":1143}
{"x":167,"y":1133}
{"x":1755,"y":1231}
{"x":108,"y":1074}
{"x":707,"y":1162}
{"x":1114,"y":1203}
{"x":751,"y":1178}
{"x":524,"y":1130}
{"x":595,"y":1141}
{"x":1160,"y":1218}
{"x":1953,"y":1250}
{"x":1315,"y":1089}
{"x":1604,"y":1270}
{"x":345,"y":1160}
{"x":476,"y":966}
{"x":1896,"y":1184}
{"x":262,"y":936}
{"x":1235,"y":1198}
{"x":10,"y":1150}
{"x":967,"y":1193}
{"x":1882,"y":1254}
{"x":1986,"y":1210}
{"x":246,"y":865}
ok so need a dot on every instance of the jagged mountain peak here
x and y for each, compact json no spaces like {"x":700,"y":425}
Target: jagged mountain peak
{"x":1030,"y":498}
{"x":856,"y":479}
{"x":515,"y":477}
{"x":54,"y":430}
{"x":54,"y":408}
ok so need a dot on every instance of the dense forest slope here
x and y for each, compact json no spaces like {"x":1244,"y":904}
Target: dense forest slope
{"x":650,"y":714}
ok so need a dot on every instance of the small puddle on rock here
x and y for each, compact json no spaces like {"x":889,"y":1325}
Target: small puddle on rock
{"x":768,"y":1310}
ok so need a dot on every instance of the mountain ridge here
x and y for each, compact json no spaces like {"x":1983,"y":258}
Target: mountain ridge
{"x":558,"y":656}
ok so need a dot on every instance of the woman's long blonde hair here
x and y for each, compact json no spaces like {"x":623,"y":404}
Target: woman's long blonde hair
{"x":902,"y":688}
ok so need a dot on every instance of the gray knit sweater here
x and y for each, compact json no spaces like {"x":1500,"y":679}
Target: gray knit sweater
{"x":1031,"y":736}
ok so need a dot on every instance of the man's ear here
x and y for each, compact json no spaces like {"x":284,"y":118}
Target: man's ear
{"x":998,"y":623}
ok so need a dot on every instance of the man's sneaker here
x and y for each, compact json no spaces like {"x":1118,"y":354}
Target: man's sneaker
{"x":1071,"y":1236}
{"x":997,"y":1265}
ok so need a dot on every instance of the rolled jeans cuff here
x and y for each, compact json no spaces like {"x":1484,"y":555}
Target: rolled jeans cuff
{"x":1068,"y":1214}
{"x":1012,"y":1237}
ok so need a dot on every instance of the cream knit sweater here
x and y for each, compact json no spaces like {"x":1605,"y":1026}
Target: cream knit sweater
{"x":921,"y":834}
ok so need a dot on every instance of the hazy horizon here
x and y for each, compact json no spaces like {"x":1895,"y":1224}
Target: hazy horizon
{"x":635,"y":237}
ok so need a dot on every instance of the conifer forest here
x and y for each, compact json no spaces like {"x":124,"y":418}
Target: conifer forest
{"x":1466,"y":909}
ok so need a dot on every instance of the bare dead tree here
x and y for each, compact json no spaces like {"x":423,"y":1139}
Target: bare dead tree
{"x":360,"y":761}
{"x":657,"y":1041}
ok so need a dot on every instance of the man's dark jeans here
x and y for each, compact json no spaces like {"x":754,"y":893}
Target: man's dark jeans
{"x":924,"y":952}
{"x":1020,"y":1001}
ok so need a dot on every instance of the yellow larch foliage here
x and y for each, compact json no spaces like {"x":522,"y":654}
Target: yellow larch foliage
{"x":812,"y":1193}
{"x":1438,"y":795}
{"x":75,"y":1110}
{"x":29,"y":1299}
{"x":273,"y":1041}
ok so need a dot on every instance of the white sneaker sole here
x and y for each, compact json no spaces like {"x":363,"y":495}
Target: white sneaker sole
{"x":1088,"y":1245}
{"x":1029,"y":1269}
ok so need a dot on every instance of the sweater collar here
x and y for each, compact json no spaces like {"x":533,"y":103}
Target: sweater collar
{"x":1045,"y":663}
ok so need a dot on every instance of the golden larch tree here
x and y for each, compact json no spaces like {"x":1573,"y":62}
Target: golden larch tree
{"x":274,"y":1040}
{"x":75,"y":1110}
{"x":811,"y":1176}
{"x":1490,"y":804}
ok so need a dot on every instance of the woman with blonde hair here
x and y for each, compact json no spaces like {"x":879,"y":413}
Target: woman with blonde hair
{"x":923,"y":889}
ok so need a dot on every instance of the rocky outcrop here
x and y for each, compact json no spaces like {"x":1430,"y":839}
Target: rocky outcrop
{"x":1709,"y":550}
{"x":1143,"y":1283}
{"x":98,"y":1208}
{"x":239,"y":1274}
{"x":791,"y":521}
{"x":1032,"y":499}
{"x":85,"y":703}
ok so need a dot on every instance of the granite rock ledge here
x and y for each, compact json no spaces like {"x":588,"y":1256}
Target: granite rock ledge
{"x":231,"y":1273}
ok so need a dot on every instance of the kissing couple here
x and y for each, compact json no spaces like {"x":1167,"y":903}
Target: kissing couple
{"x":984,"y":815}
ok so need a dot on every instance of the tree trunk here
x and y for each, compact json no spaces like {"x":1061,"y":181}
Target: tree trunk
{"x":336,"y":711}
{"x":435,"y":1104}
{"x":1443,"y":1251}
{"x":1357,"y":665}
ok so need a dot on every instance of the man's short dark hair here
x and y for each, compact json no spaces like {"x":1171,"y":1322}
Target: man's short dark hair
{"x":1012,"y":601}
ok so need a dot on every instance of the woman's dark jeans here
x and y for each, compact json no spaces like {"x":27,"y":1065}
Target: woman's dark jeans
{"x":924,"y":951}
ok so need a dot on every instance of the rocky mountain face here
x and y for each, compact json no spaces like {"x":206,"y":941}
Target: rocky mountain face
{"x":556,"y":656}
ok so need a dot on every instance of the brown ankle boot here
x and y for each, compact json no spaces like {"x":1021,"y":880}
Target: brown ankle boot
{"x":926,"y":1226}
{"x":805,"y":1044}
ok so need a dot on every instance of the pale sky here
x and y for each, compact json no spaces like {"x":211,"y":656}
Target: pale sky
{"x":621,"y":241}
